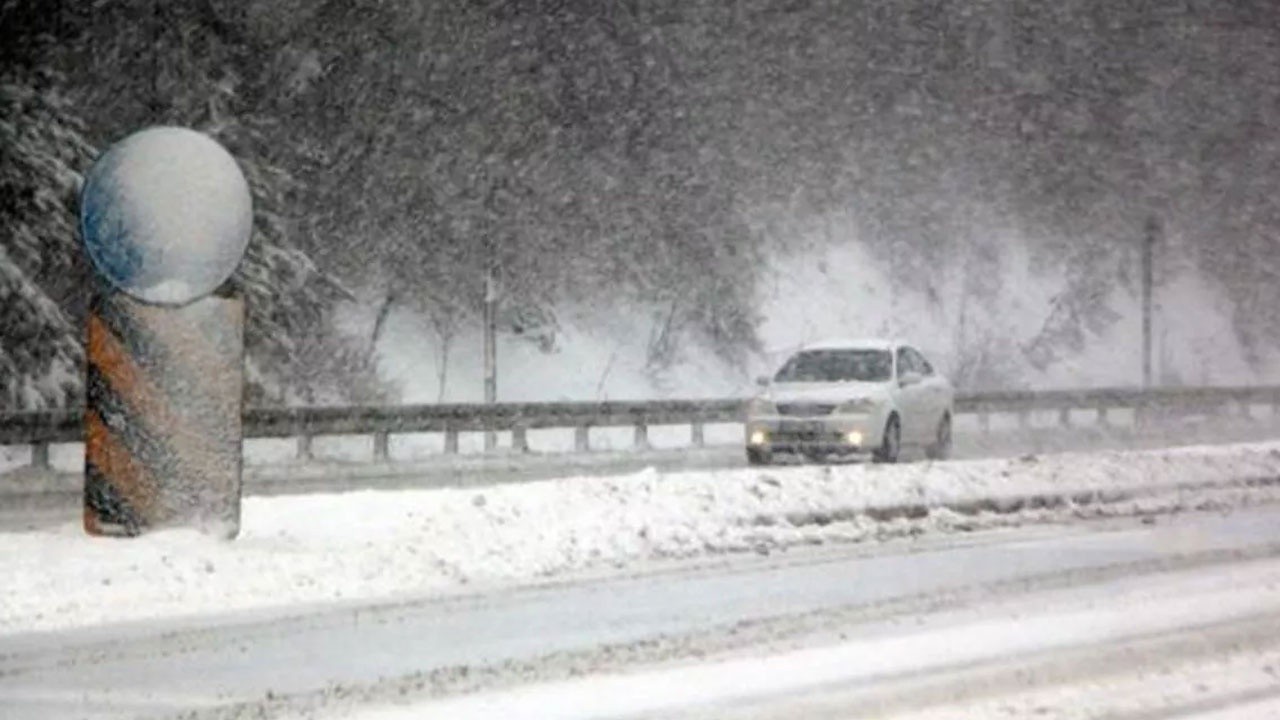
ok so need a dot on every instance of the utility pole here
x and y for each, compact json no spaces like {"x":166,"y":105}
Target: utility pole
{"x":490,"y":336}
{"x":1150,"y":236}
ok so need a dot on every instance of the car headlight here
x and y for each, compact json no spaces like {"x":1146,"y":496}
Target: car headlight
{"x":860,"y":405}
{"x":761,"y":406}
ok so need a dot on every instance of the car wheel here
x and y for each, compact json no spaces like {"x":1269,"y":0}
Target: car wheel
{"x":941,"y":447}
{"x":892,"y":443}
{"x":758,"y":457}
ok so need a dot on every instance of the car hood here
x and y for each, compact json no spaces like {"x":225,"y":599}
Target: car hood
{"x":826,"y":392}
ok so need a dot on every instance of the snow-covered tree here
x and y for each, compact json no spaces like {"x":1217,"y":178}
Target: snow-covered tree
{"x":40,"y":359}
{"x":196,"y":71}
{"x":42,"y":149}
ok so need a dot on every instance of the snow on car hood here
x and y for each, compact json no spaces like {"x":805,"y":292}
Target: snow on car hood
{"x":826,"y":392}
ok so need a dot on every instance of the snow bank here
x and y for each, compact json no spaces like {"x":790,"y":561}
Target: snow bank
{"x":368,"y":545}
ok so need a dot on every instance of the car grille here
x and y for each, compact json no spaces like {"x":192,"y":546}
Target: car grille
{"x":807,"y":436}
{"x":805,"y":409}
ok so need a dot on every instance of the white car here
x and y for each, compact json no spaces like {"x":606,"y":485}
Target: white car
{"x":854,"y":398}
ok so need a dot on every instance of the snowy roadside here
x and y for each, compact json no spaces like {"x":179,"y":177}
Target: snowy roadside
{"x":1145,"y":645}
{"x":382,"y":545}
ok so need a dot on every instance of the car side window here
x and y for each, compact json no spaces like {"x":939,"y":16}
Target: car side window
{"x":905,"y":362}
{"x":922,"y":366}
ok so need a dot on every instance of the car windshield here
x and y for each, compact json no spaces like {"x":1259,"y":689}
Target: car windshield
{"x":863,"y":365}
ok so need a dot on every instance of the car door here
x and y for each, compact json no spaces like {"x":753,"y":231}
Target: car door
{"x":935,"y":393}
{"x":911,"y":396}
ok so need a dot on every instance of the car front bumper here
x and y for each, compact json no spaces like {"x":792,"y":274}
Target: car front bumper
{"x":829,"y":435}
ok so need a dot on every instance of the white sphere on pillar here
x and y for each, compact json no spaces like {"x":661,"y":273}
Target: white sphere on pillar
{"x":166,"y":215}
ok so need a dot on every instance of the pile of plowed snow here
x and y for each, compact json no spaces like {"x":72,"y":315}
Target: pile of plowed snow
{"x":376,"y":545}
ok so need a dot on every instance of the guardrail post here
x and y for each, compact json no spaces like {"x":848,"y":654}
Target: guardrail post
{"x":984,"y":422}
{"x":1103,"y":420}
{"x":642,"y":436}
{"x":304,"y":447}
{"x":381,"y":446}
{"x":696,"y":435}
{"x":1024,"y":419}
{"x":1246,"y":412}
{"x":581,"y":439}
{"x":1064,"y":417}
{"x":40,"y":456}
{"x":519,"y":439}
{"x":451,"y":441}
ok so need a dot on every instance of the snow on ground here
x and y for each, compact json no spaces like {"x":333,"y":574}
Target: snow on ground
{"x":1144,"y":694}
{"x":1005,"y":632}
{"x":370,"y":545}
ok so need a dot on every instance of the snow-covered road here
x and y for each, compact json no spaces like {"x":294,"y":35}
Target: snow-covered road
{"x":775,"y":629}
{"x":338,"y":604}
{"x":1043,"y":654}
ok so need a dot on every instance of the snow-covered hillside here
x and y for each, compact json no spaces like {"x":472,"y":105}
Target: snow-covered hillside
{"x":976,"y":323}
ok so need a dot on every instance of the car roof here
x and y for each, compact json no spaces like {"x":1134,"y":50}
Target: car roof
{"x":853,"y":344}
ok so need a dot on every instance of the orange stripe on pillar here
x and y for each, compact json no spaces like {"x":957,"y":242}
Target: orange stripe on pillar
{"x":165,"y":394}
{"x":125,"y":472}
{"x":119,"y":368}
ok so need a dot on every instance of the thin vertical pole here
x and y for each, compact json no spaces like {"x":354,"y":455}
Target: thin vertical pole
{"x":490,"y":351}
{"x":1148,"y":279}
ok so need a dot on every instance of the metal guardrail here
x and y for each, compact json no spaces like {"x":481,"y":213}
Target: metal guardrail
{"x":39,"y":429}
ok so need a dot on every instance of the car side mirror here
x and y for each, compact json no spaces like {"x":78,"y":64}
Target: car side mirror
{"x":908,"y":379}
{"x":763,"y":381}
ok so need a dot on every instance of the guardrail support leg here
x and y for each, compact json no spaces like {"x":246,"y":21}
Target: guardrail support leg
{"x":696,"y":435}
{"x":381,"y":447}
{"x":581,"y":439}
{"x":519,"y":439}
{"x":1103,"y":420}
{"x":451,"y":441}
{"x":984,"y":422}
{"x":1246,"y":411}
{"x":304,"y":448}
{"x":40,"y":456}
{"x":1064,"y":417}
{"x":1024,"y":419}
{"x":642,"y":437}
